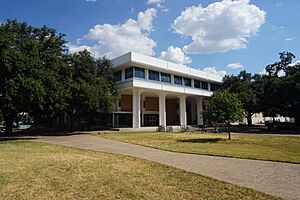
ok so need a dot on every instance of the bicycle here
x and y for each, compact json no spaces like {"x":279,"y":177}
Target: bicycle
{"x":169,"y":129}
{"x":161,"y":128}
{"x":184,"y":129}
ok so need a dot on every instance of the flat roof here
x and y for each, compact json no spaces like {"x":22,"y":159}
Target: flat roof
{"x":136,"y":59}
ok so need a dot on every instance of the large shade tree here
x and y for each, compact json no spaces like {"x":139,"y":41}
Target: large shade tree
{"x":224,"y":107}
{"x":31,"y":62}
{"x":92,"y":87}
{"x":245,"y":87}
{"x":282,"y":88}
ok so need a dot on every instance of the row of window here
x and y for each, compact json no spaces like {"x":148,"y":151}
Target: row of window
{"x":163,"y":77}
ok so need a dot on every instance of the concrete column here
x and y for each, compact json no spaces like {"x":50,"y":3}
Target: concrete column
{"x":199,"y":111}
{"x":162,"y":109}
{"x":123,"y":75}
{"x":146,"y":74}
{"x":136,"y":109}
{"x":182,"y":108}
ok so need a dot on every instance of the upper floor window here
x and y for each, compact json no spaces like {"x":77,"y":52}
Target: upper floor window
{"x":139,"y":72}
{"x":197,"y":84}
{"x":178,"y":80}
{"x":118,"y":76}
{"x":129,"y":73}
{"x":153,"y":75}
{"x":204,"y":85}
{"x":187,"y":82}
{"x":214,"y":87}
{"x":165,"y":78}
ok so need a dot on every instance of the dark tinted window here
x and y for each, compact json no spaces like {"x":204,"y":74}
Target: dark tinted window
{"x":197,"y":84}
{"x":153,"y":75}
{"x":204,"y":85}
{"x":214,"y":87}
{"x":187,"y":82}
{"x":178,"y":80}
{"x":118,"y":76}
{"x":128,"y":73}
{"x":165,"y":78}
{"x":139,"y":72}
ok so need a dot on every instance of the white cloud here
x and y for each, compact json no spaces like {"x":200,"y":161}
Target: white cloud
{"x":214,"y":71}
{"x":176,"y":55}
{"x":116,"y":40}
{"x":276,"y":28}
{"x":91,"y":0}
{"x":165,"y":10}
{"x":295,"y":63}
{"x":235,"y":66}
{"x":288,"y":39}
{"x":155,"y":1}
{"x":219,"y":27}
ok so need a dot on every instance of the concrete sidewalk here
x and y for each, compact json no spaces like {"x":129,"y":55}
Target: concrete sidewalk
{"x":274,"y":178}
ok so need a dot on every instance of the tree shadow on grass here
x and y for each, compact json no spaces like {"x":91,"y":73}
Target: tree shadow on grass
{"x":3,"y":139}
{"x":202,"y":140}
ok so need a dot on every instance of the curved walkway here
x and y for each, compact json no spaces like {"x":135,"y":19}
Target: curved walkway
{"x":274,"y":178}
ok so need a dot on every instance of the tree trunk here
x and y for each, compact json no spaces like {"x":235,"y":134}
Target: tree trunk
{"x":9,"y":120}
{"x":297,"y":121}
{"x":249,"y":119}
{"x":71,"y":120}
{"x":228,"y":130}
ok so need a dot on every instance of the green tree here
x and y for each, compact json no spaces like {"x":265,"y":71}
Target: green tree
{"x":291,"y":92}
{"x":92,"y":87}
{"x":281,"y":88}
{"x":29,"y":61}
{"x":245,"y":87}
{"x":224,"y":107}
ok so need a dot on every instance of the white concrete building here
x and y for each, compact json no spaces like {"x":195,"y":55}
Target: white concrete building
{"x":156,"y":92}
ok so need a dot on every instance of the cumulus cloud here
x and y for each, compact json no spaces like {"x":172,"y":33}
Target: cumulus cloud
{"x":214,"y":71}
{"x":235,"y":66}
{"x":219,"y":27}
{"x":118,"y":39}
{"x":176,"y":55}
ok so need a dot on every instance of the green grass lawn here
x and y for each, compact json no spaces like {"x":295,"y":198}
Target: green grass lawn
{"x":30,"y":170}
{"x":262,"y":147}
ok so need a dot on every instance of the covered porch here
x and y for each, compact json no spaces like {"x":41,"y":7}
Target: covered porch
{"x":151,"y":108}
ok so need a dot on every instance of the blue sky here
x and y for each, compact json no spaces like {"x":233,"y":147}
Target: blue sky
{"x":211,"y":35}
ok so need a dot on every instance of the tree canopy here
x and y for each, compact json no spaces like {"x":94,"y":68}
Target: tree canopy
{"x":38,"y":76}
{"x":245,"y":87}
{"x":275,"y":93}
{"x":224,"y":107}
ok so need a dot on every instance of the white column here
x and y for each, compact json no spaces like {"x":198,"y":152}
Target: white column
{"x":199,"y":111}
{"x":123,"y":75}
{"x":136,"y":109}
{"x":146,"y":74}
{"x":182,"y":110}
{"x":162,"y":109}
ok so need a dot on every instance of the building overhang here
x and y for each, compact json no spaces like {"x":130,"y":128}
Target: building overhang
{"x":136,"y":59}
{"x":157,"y":87}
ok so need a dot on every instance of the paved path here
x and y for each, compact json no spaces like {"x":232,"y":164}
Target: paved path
{"x":275,"y":178}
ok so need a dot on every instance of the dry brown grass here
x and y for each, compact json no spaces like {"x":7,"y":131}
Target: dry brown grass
{"x":30,"y":170}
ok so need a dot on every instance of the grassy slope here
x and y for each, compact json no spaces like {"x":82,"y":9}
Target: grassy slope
{"x":31,"y":170}
{"x":276,"y":148}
